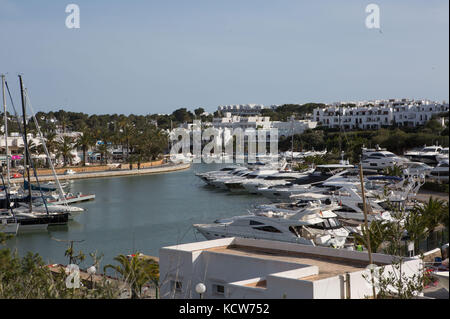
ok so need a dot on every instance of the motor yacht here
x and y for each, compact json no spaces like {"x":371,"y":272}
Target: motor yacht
{"x":428,"y":154}
{"x":309,"y":226}
{"x":380,"y":159}
{"x":278,"y":179}
{"x":440,"y":172}
{"x":443,"y":155}
{"x":235,"y":185}
{"x":308,"y":183}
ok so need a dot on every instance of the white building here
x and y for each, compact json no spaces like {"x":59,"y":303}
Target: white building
{"x":379,"y":113}
{"x":233,"y":121}
{"x":293,"y":127}
{"x":244,"y":109}
{"x":248,"y":268}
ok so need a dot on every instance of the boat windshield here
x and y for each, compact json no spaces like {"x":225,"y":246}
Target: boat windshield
{"x":296,"y":230}
{"x":328,"y":223}
{"x":430,"y":149}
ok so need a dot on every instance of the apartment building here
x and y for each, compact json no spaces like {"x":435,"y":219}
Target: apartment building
{"x":244,"y":109}
{"x":379,"y":113}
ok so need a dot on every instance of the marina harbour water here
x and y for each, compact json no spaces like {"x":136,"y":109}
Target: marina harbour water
{"x":136,"y":213}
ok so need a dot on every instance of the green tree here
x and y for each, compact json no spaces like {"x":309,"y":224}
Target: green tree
{"x":85,"y":141}
{"x":134,"y":271}
{"x":65,"y":148}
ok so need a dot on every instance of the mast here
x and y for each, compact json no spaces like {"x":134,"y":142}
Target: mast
{"x":369,"y":249}
{"x":292,"y":140}
{"x":6,"y":131}
{"x":25,"y":138}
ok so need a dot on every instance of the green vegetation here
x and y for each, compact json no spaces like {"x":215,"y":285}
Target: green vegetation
{"x":137,"y":272}
{"x":285,"y":111}
{"x":29,"y":278}
{"x":389,"y":238}
{"x":397,"y":140}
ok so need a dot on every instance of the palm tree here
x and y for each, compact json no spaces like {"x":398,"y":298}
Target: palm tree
{"x":103,"y":150}
{"x":65,"y":147}
{"x":51,"y":143}
{"x":377,"y":233}
{"x":432,"y":212}
{"x":416,"y":226}
{"x":135,"y":271}
{"x":85,"y":141}
{"x":126,"y":130}
{"x":395,"y":170}
{"x":445,"y":215}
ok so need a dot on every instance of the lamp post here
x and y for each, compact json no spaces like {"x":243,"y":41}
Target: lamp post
{"x":200,"y":288}
{"x":91,"y":271}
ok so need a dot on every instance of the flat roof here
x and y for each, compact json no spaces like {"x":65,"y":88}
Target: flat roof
{"x":329,"y":266}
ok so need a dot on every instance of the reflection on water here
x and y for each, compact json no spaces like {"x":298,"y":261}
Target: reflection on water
{"x":137,"y":213}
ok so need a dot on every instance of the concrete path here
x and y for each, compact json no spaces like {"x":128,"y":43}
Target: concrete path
{"x":112,"y":173}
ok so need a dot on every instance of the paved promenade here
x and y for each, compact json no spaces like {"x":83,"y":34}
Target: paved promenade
{"x":165,"y":168}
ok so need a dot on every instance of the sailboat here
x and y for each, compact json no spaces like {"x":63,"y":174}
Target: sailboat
{"x":8,"y":222}
{"x":28,"y":217}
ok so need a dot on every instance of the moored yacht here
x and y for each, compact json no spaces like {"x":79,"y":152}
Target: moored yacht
{"x":310,"y":226}
{"x":305,"y":183}
{"x":428,"y":154}
{"x":278,"y":179}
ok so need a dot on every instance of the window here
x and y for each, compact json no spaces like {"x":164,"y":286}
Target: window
{"x":254,"y":222}
{"x":176,"y":285}
{"x":296,"y":230}
{"x":219,"y":289}
{"x":269,"y":229}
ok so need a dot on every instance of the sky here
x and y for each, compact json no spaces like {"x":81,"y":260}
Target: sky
{"x":146,"y":57}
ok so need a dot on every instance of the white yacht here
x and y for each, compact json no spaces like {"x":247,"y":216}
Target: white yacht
{"x":302,"y":155}
{"x":278,"y":179}
{"x":380,"y":159}
{"x":40,"y":207}
{"x":309,"y":183}
{"x":309,"y":226}
{"x":443,"y":155}
{"x":440,"y":172}
{"x":207,"y":177}
{"x":417,"y":168}
{"x":428,"y":154}
{"x":235,"y":185}
{"x":219,"y":181}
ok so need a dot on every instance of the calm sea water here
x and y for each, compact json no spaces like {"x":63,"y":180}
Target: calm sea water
{"x":138,"y":213}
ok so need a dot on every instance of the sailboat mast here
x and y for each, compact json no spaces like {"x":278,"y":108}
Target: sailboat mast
{"x":6,"y":131}
{"x":27,"y":156}
{"x":292,"y":139}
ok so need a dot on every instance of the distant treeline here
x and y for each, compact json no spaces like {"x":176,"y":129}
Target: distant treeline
{"x":394,"y":139}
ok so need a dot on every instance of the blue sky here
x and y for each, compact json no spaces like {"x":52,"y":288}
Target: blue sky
{"x":156,"y":56}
